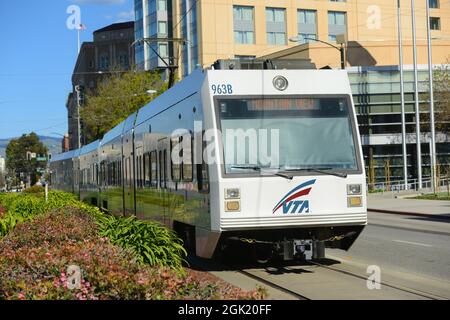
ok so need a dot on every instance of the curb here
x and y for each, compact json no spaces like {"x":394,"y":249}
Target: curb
{"x":414,"y":214}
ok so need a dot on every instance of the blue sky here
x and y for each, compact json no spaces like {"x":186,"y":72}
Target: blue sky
{"x":37,"y":57}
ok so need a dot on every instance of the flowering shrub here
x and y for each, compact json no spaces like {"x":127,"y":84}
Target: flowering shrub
{"x":36,"y":254}
{"x":153,"y":243}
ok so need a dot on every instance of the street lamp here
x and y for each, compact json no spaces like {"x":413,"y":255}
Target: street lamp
{"x":341,"y":40}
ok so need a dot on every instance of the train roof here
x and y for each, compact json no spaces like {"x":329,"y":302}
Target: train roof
{"x":113,"y":133}
{"x":89,"y":148}
{"x":64,"y":156}
{"x":183,"y":89}
{"x":129,"y":123}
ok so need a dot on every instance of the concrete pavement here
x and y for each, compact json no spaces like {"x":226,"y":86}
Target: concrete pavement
{"x":397,"y":204}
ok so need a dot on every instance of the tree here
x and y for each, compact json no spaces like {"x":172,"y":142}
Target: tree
{"x":115,"y":98}
{"x":19,"y":161}
{"x":441,"y":86}
{"x":441,"y":82}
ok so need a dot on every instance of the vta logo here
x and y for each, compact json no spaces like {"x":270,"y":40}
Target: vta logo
{"x":290,"y":202}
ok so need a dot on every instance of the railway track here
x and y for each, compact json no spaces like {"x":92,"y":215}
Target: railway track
{"x":285,"y":283}
{"x":273,"y":285}
{"x":383,"y":283}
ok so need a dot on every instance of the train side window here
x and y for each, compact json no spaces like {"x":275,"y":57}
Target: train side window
{"x":203,"y":173}
{"x":175,"y":168}
{"x":154,"y":169}
{"x":131,"y":174}
{"x":165,"y":168}
{"x":113,"y":173}
{"x":160,"y":170}
{"x":126,"y":170}
{"x":138,"y":171}
{"x":147,"y":178}
{"x":120,"y":172}
{"x":187,"y":143}
{"x":141,"y":171}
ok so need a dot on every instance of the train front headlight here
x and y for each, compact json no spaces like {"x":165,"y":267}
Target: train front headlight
{"x":232,"y":193}
{"x":354,"y":189}
{"x":232,"y":196}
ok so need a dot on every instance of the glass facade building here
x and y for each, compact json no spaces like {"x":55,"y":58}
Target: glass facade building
{"x":376,"y":94}
{"x":189,"y":32}
{"x":154,"y":23}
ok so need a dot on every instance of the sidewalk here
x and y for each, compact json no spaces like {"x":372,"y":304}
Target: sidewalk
{"x":387,"y":203}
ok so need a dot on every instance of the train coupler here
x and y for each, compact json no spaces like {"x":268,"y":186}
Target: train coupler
{"x":303,"y":250}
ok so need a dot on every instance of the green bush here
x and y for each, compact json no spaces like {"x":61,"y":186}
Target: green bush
{"x":35,"y":257}
{"x":35,"y":189}
{"x":23,"y":207}
{"x":153,"y":243}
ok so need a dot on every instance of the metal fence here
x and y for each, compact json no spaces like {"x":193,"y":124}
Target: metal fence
{"x":399,"y":185}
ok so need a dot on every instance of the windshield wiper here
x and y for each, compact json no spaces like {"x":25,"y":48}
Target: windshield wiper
{"x":327,"y":171}
{"x":263,"y":170}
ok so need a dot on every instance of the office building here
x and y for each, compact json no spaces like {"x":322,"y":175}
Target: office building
{"x":112,"y":48}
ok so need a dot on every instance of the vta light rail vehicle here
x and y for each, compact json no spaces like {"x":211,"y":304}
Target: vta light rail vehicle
{"x":269,"y":159}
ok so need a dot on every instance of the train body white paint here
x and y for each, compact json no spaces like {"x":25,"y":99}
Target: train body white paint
{"x":274,"y":156}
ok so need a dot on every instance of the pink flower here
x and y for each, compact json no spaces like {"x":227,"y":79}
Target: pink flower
{"x":21,"y":296}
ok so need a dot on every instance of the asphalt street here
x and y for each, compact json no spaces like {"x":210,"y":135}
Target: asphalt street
{"x":411,"y":251}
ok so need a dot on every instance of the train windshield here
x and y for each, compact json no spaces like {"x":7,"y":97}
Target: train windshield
{"x":291,"y":134}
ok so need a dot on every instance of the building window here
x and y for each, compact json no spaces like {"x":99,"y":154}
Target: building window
{"x":306,"y":37}
{"x":337,"y":24}
{"x":162,"y":27}
{"x":163,"y":50}
{"x":307,"y":25}
{"x":275,"y":15}
{"x":434,"y":4}
{"x":244,"y":27}
{"x":244,"y":37}
{"x":104,"y":62}
{"x":435,"y":23}
{"x":276,"y":26}
{"x":162,"y":5}
{"x":123,"y":60}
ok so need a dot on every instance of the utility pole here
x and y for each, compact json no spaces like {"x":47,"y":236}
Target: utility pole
{"x":432,"y":124}
{"x":416,"y":100}
{"x":402,"y":95}
{"x":79,"y":90}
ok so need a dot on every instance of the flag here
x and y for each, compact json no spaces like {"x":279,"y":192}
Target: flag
{"x":82,"y":27}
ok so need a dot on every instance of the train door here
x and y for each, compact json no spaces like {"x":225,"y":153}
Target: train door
{"x":162,"y":165}
{"x":129,"y":174}
{"x":128,"y":187}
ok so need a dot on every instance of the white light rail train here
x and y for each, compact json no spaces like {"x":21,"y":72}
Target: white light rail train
{"x":267,"y":159}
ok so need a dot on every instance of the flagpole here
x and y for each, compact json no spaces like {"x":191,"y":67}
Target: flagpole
{"x":432,"y":121}
{"x":416,"y":100}
{"x":402,"y":96}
